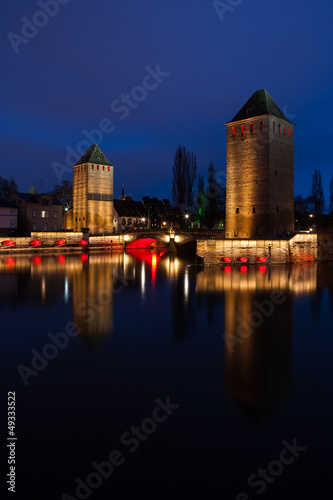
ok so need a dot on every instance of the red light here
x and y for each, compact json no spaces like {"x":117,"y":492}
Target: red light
{"x":243,"y":259}
{"x":242,"y":129}
{"x":141,"y":243}
{"x":227,"y":259}
{"x":227,"y":269}
{"x":289,"y":132}
{"x":261,"y":259}
{"x":82,"y":242}
{"x":262,"y":125}
{"x":10,"y":262}
{"x":284,"y":129}
{"x":233,"y":130}
{"x":251,"y":127}
{"x":84,"y":257}
{"x":35,"y":243}
{"x":262,"y":269}
{"x":243,"y":269}
{"x":8,"y":243}
{"x":37,"y":260}
{"x":61,"y":259}
{"x":59,"y":243}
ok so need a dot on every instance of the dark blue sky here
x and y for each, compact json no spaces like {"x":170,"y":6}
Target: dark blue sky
{"x":64,"y":78}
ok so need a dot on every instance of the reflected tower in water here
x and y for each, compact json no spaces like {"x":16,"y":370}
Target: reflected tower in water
{"x":257,"y":329}
{"x":93,"y":298}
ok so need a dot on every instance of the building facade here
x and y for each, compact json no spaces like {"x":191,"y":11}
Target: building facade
{"x":36,"y":212}
{"x":8,"y":218}
{"x":260,"y":171}
{"x":93,"y":193}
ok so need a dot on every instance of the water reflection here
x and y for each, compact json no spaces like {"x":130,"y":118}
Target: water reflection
{"x":258,"y":320}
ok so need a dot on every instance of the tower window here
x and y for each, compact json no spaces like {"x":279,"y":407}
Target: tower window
{"x":97,"y":167}
{"x":103,"y":167}
{"x":289,"y":132}
{"x":108,"y":169}
{"x":237,"y":210}
{"x":251,"y":127}
{"x":273,"y":126}
{"x":92,"y":167}
{"x":279,"y":127}
{"x":261,"y":125}
{"x":233,"y":130}
{"x":242,"y":129}
{"x":253,"y":210}
{"x":284,"y":130}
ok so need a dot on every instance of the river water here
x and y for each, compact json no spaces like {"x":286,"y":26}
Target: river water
{"x":143,"y":376}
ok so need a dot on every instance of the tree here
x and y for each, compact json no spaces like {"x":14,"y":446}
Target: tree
{"x":331,"y":195}
{"x":7,"y":186}
{"x":63,"y":192}
{"x":201,"y":200}
{"x":317,"y":193}
{"x":184,"y":174}
{"x":215,"y":192}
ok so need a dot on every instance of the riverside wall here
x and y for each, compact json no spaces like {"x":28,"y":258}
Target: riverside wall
{"x":299,"y":248}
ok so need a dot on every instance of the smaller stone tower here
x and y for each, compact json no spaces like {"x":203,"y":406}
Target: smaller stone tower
{"x":260,"y":170}
{"x":93,"y":192}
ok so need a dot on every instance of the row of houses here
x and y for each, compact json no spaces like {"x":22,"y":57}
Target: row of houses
{"x":23,"y":213}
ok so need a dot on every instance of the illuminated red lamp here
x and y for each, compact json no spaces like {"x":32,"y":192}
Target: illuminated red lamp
{"x":8,"y":243}
{"x":289,"y":132}
{"x":242,"y":259}
{"x":59,"y":243}
{"x":35,"y":243}
{"x":284,"y":129}
{"x":227,"y":260}
{"x":84,"y":257}
{"x":261,"y":259}
{"x":83,"y":243}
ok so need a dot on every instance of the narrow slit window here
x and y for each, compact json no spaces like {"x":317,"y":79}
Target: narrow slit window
{"x":284,"y":130}
{"x":289,"y":132}
{"x":237,"y":210}
{"x":253,"y":210}
{"x":242,"y":129}
{"x":251,"y":127}
{"x":279,"y":127}
{"x":261,"y":125}
{"x":233,"y":130}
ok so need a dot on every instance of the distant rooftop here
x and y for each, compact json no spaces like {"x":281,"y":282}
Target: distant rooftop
{"x":94,"y":155}
{"x":260,"y":103}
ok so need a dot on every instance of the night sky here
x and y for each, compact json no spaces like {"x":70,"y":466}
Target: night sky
{"x":67,"y":75}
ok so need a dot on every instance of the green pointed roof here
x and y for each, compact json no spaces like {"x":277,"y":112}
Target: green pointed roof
{"x":32,"y":190}
{"x":94,"y":155}
{"x":260,"y":103}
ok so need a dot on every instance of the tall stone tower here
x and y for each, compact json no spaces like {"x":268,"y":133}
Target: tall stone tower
{"x":93,"y":192}
{"x":260,"y":171}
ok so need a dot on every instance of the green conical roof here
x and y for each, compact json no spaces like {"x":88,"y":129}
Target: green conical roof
{"x":260,"y":103}
{"x":93,"y":155}
{"x":32,"y":190}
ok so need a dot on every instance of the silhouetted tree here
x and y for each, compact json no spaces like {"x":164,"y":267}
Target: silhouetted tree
{"x":184,"y":174}
{"x":331,"y":195}
{"x":7,"y":186}
{"x":317,"y":193}
{"x":63,"y":192}
{"x":215,"y":193}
